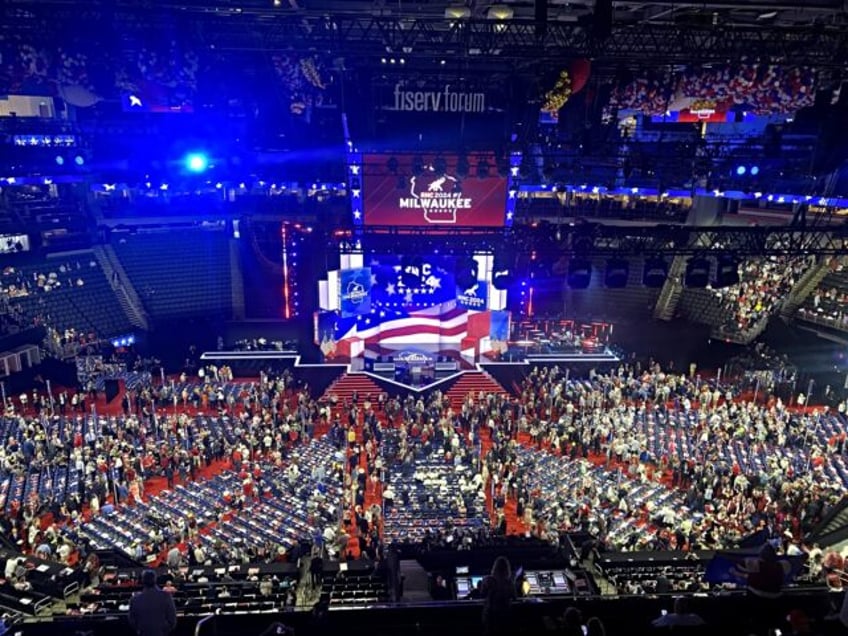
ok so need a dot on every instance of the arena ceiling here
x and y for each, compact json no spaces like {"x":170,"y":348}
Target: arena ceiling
{"x":482,"y":33}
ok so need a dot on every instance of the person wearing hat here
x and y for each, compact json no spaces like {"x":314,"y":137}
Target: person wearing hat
{"x":152,"y":611}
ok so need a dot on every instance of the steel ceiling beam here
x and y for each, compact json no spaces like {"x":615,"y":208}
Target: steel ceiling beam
{"x":552,"y":241}
{"x":367,"y":37}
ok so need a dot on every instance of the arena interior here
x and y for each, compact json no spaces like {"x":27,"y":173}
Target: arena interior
{"x":423,"y":317}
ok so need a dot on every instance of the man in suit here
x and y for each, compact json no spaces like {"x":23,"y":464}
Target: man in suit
{"x":152,"y":611}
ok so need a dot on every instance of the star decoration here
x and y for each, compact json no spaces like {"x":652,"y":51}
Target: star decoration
{"x":357,"y":214}
{"x":390,"y":289}
{"x":408,"y":297}
{"x":373,"y":279}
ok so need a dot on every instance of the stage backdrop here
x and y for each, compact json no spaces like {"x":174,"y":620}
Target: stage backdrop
{"x":422,"y":190}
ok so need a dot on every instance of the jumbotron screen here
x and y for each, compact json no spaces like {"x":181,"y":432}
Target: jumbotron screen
{"x":428,"y":191}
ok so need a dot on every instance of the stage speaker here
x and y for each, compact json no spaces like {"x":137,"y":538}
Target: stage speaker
{"x":579,"y":273}
{"x":618,"y":270}
{"x":697,"y":272}
{"x":655,"y":272}
{"x":727,"y":273}
{"x":112,"y":389}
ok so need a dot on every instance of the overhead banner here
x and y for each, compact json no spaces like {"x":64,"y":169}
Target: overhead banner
{"x":409,"y":190}
{"x":355,"y":291}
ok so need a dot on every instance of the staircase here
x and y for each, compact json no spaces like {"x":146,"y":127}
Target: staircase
{"x":416,"y":582}
{"x":473,"y":382}
{"x":345,"y":386}
{"x":804,"y":287}
{"x":833,"y":528}
{"x":236,"y":281}
{"x":672,"y":290}
{"x":124,"y":291}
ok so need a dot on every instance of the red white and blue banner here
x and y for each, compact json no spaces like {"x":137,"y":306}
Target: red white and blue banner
{"x":355,"y":291}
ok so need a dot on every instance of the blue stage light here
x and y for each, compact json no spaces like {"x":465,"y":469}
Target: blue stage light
{"x":79,"y":160}
{"x":755,"y":170}
{"x":740,"y":170}
{"x":196,"y":162}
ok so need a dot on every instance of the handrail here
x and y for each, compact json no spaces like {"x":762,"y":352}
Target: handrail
{"x":198,"y":629}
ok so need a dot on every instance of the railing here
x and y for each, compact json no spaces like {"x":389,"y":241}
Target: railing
{"x":206,"y":626}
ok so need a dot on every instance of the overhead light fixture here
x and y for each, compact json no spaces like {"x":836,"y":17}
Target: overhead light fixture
{"x":767,"y":16}
{"x":457,"y":12}
{"x":500,"y":12}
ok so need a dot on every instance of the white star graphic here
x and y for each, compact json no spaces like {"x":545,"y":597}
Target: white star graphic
{"x":390,"y":289}
{"x":373,"y":279}
{"x":408,"y":297}
{"x":357,"y":214}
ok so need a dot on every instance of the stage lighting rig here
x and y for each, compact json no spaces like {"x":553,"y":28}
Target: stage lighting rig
{"x":196,"y":162}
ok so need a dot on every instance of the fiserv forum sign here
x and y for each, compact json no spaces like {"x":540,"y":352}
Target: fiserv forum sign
{"x":444,"y":99}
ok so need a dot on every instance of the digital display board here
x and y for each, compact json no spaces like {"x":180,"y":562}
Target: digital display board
{"x":409,"y":190}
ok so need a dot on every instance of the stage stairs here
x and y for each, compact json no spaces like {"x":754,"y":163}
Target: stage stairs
{"x":832,"y":530}
{"x":347,"y":384}
{"x":473,"y":382}
{"x":416,"y":582}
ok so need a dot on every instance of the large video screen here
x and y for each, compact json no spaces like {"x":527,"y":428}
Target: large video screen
{"x":416,"y":190}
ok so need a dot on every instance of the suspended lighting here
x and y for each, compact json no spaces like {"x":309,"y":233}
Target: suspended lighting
{"x":457,"y":12}
{"x":500,"y":12}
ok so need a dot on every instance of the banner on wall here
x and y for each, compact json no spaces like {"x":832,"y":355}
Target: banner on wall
{"x":355,"y":291}
{"x":475,"y":297}
{"x":429,"y":191}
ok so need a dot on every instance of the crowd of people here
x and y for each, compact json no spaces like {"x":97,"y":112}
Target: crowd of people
{"x":763,"y":284}
{"x":775,"y":495}
{"x":760,"y":88}
{"x":740,"y":468}
{"x":828,"y":301}
{"x":75,"y":72}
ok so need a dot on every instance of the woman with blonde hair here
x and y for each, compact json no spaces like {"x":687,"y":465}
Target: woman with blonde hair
{"x":498,"y":592}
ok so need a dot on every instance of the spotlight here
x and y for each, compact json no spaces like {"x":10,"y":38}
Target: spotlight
{"x":579,"y":273}
{"x":741,"y":170}
{"x":617,"y":273}
{"x":727,"y":272}
{"x":655,"y":273}
{"x":60,"y":160}
{"x":697,"y":272}
{"x":755,"y":170}
{"x":196,"y":162}
{"x":79,"y":160}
